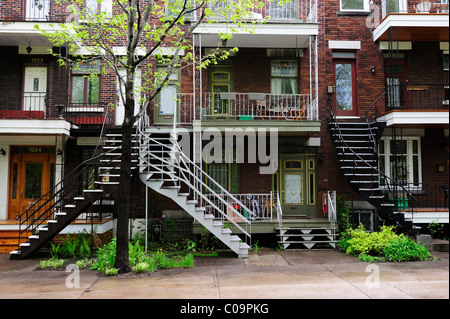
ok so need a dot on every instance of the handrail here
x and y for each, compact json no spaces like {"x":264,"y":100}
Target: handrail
{"x":189,"y":175}
{"x":279,"y":211}
{"x":55,"y":196}
{"x":341,"y":140}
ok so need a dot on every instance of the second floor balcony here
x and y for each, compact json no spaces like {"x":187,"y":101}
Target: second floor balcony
{"x":49,"y":106}
{"x":233,"y":106}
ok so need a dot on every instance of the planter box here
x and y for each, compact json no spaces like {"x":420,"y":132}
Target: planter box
{"x":402,"y":203}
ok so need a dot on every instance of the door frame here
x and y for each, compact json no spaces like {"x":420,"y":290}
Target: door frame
{"x":355,"y":109}
{"x":164,"y":119}
{"x":15,"y":205}
{"x":24,"y":87}
{"x":308,"y":170}
{"x":222,"y":68}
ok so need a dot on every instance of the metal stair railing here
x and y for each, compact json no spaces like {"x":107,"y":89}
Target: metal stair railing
{"x":191,"y":175}
{"x":46,"y":207}
{"x":358,"y":157}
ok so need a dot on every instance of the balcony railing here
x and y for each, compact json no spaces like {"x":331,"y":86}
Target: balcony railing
{"x":417,"y":97}
{"x":34,"y":105}
{"x":429,"y":196}
{"x":413,"y":6}
{"x":254,"y":106}
{"x":262,"y":206}
{"x":294,"y":10}
{"x":33,"y":10}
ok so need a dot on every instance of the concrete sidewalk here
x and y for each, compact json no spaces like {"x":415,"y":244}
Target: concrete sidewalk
{"x":267,"y":275}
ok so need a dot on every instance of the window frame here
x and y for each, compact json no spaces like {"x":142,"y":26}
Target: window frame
{"x":295,"y":77}
{"x":102,"y":6}
{"x":86,"y":75}
{"x":366,"y":7}
{"x":352,"y":60}
{"x":409,"y":161}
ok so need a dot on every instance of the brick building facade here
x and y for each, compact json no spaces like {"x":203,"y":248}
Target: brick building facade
{"x":313,"y":65}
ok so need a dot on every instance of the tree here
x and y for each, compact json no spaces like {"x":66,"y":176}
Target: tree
{"x":142,"y":27}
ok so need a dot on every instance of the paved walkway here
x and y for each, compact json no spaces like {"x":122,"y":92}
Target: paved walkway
{"x":266,"y":275}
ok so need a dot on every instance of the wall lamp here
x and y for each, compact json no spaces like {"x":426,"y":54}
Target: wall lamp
{"x":2,"y":152}
{"x":29,"y":48}
{"x":372,"y":69}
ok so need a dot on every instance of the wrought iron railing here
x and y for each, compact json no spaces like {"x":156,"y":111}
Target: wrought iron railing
{"x":55,"y":105}
{"x":262,"y":206}
{"x":50,"y":204}
{"x":33,"y":10}
{"x":417,"y":97}
{"x":253,"y":106}
{"x":412,"y":6}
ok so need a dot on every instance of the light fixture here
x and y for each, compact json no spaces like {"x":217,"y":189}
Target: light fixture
{"x":372,"y":69}
{"x":2,"y":152}
{"x":224,"y":42}
{"x":29,"y":48}
{"x":59,"y":153}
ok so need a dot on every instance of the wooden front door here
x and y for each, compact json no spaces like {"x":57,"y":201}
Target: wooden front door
{"x":31,"y":176}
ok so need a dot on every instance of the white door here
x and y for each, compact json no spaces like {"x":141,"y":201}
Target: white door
{"x":120,"y":110}
{"x":37,"y":10}
{"x":35,"y":89}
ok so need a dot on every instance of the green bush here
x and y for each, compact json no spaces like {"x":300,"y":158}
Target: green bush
{"x":358,"y":241}
{"x":138,"y":259}
{"x":384,"y":245}
{"x":404,"y":249}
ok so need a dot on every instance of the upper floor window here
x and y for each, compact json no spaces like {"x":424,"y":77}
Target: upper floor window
{"x":97,"y":6}
{"x":86,"y":83}
{"x":284,"y":77}
{"x":175,"y":7}
{"x":355,"y":5}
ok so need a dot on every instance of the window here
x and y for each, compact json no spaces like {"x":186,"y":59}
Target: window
{"x":284,"y":77}
{"x":97,"y":6}
{"x":174,"y":7}
{"x":401,"y":161}
{"x":86,"y":83}
{"x":354,"y":5}
{"x":226,"y":175}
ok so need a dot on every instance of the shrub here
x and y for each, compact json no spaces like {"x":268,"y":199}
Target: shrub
{"x":404,"y":249}
{"x":358,"y":241}
{"x":384,"y":245}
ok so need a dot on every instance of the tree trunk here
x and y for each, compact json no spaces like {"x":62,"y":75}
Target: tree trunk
{"x":124,"y":189}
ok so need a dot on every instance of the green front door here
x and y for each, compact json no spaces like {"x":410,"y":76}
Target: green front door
{"x":298,"y":190}
{"x":221,"y":83}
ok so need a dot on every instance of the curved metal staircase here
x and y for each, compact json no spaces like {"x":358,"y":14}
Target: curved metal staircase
{"x":357,"y":149}
{"x":166,"y":169}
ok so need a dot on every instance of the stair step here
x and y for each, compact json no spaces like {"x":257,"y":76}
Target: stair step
{"x":364,"y":182}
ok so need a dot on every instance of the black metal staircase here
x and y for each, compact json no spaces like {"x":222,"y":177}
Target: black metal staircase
{"x":357,"y":149}
{"x":92,"y":182}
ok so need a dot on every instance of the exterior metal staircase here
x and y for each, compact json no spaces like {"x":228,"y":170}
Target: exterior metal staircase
{"x":166,"y":169}
{"x":90,"y":183}
{"x":357,"y":149}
